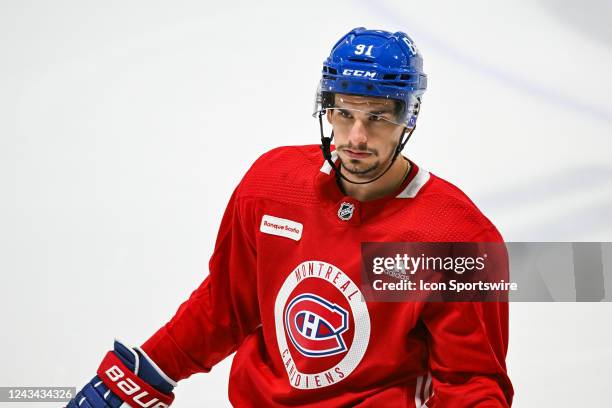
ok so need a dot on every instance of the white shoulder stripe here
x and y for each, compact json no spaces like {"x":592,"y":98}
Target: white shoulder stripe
{"x":423,"y":389}
{"x":415,"y":185}
{"x":417,"y":392}
{"x":326,"y":167}
{"x":428,"y":390}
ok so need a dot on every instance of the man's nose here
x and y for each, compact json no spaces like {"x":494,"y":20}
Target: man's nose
{"x":358,"y":134}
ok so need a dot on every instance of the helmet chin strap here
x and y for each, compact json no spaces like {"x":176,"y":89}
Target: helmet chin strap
{"x":326,"y":148}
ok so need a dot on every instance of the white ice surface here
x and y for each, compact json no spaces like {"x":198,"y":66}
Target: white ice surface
{"x":125,"y":125}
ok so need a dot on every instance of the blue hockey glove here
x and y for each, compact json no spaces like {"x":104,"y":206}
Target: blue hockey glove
{"x":128,"y":376}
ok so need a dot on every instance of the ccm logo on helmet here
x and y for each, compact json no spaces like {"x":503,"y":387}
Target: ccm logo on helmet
{"x":359,"y":73}
{"x":129,"y":387}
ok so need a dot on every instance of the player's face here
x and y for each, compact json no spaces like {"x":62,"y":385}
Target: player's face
{"x":364,"y":133}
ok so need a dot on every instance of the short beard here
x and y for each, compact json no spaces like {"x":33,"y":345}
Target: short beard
{"x":354,"y":171}
{"x":351,"y":164}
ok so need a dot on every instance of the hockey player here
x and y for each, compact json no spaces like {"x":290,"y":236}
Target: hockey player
{"x":283,"y":290}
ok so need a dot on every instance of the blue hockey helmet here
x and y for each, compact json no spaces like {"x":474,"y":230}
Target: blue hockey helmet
{"x":374,"y":63}
{"x":377,"y":64}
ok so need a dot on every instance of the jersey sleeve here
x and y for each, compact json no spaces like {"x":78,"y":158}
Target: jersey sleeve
{"x":221,"y":312}
{"x":468,"y":342}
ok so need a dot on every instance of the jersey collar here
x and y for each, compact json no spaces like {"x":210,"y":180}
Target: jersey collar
{"x":333,"y":198}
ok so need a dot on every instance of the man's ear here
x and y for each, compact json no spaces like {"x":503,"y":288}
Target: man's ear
{"x":329,"y":114}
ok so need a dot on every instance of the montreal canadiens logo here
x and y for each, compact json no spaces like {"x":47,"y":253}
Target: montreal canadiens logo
{"x":315,"y":326}
{"x":322,"y":325}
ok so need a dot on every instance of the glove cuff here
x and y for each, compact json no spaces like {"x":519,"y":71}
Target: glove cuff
{"x":154,"y":375}
{"x":128,"y":386}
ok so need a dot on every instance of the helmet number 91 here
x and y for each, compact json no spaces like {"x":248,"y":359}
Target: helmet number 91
{"x":361,"y":49}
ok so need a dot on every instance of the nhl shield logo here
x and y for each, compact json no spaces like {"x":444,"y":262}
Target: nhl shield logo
{"x":345,"y":212}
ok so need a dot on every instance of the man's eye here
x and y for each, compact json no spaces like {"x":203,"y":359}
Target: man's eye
{"x":375,"y":118}
{"x":345,"y":114}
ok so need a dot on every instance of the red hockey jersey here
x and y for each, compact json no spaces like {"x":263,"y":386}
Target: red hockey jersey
{"x":283,"y":292}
